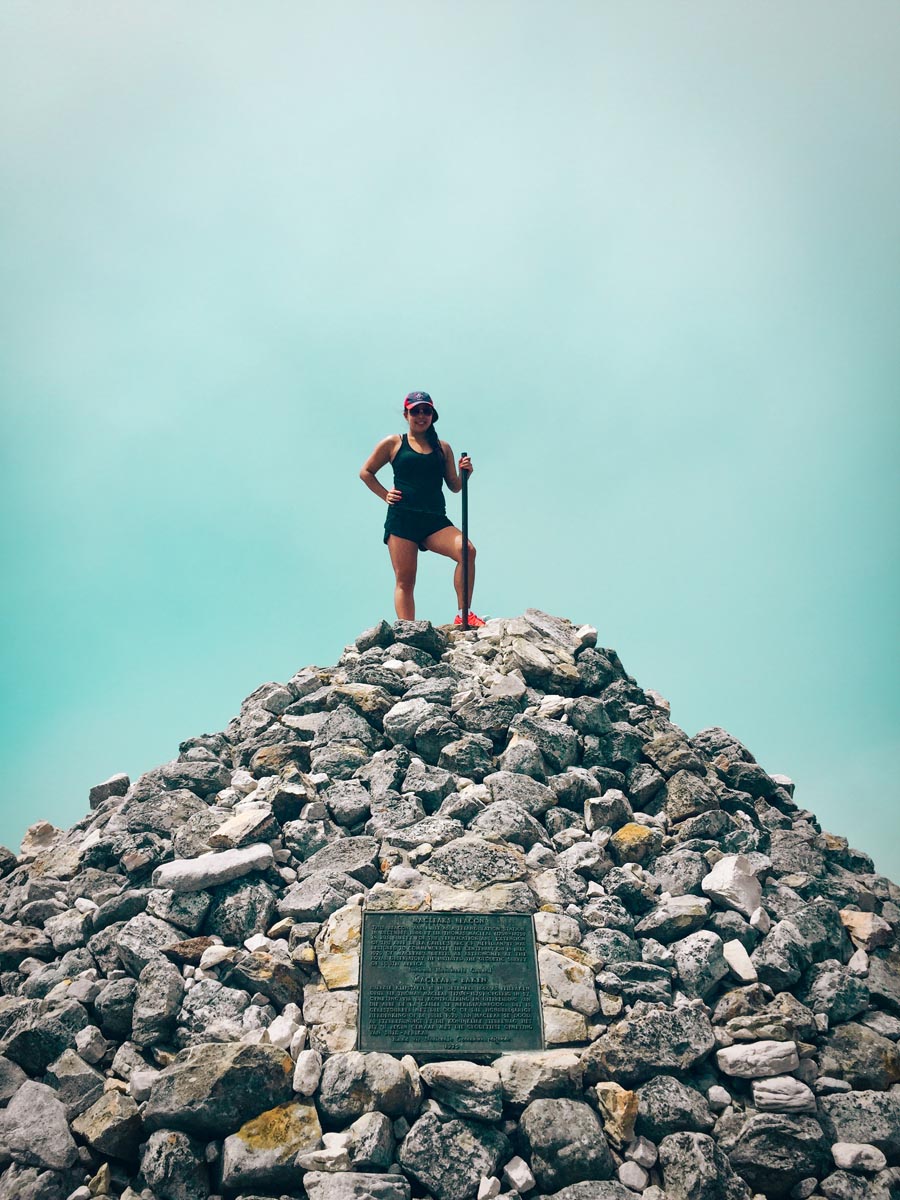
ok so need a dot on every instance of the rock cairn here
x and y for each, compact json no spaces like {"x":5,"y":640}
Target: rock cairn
{"x":720,"y":979}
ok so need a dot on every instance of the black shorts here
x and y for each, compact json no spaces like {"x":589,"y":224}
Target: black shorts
{"x":412,"y":525}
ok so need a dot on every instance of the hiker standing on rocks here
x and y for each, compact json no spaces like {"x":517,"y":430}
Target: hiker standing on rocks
{"x":417,"y":513}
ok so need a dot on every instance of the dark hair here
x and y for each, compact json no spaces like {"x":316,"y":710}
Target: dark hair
{"x":433,"y":439}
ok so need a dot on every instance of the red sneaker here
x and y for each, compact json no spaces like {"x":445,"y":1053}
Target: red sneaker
{"x":474,"y":622}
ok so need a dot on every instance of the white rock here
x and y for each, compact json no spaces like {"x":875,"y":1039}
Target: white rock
{"x":339,"y":1140}
{"x":281,"y":1031}
{"x":858,"y":1156}
{"x":718,"y":1098}
{"x":733,"y":883}
{"x":307,"y":1072}
{"x":633,"y":1176}
{"x":90,"y":1044}
{"x":858,"y":963}
{"x":565,"y":980}
{"x":141,"y":1082}
{"x":212,"y":956}
{"x":517,"y":1175}
{"x":298,"y":1042}
{"x":739,"y":962}
{"x":643,"y":1152}
{"x":783,"y":1093}
{"x":758,"y":1060}
{"x":488,"y":1187}
{"x":324,"y":1160}
{"x":258,"y":941}
{"x":555,"y":928}
{"x":211,"y":870}
{"x":760,"y":919}
{"x":84,"y":905}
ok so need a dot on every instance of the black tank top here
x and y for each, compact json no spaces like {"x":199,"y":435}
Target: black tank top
{"x":420,"y":477}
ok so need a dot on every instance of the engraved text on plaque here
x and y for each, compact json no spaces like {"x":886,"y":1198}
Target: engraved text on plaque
{"x":449,"y":983}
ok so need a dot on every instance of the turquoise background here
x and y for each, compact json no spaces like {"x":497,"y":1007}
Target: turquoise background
{"x":643,"y":255}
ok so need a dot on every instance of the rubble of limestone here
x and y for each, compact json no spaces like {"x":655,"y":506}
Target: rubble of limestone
{"x":179,"y":972}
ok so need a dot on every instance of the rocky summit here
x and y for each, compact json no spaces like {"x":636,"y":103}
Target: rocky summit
{"x":179,"y":972}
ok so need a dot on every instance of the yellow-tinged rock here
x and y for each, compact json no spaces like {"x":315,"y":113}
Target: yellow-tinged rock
{"x":578,"y":955}
{"x":263,"y":1150}
{"x":618,"y":1111}
{"x":337,"y":947}
{"x":867,"y":930}
{"x":634,"y":843}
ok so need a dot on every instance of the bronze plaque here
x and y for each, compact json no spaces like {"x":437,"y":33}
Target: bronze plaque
{"x":449,"y":983}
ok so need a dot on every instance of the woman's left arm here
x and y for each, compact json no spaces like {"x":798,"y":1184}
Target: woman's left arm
{"x":451,"y":471}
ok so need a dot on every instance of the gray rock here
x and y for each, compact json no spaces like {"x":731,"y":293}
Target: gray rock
{"x":354,"y":1185}
{"x":607,"y":1189}
{"x":535,"y":797}
{"x":471,"y":1090}
{"x":665,"y":1106}
{"x":174,"y":1166}
{"x":159,"y":995}
{"x":353,"y":856}
{"x":115,"y":1006}
{"x":33,"y":1129}
{"x":76,"y":1083}
{"x":782,"y":957}
{"x":33,"y":1183}
{"x":214,"y":1088}
{"x":687,"y":795}
{"x":318,"y":896}
{"x":558,"y":743}
{"x":567,"y":981}
{"x":212,"y":870}
{"x":700,"y":962}
{"x":694,"y":1168}
{"x":673,"y":917}
{"x":473,"y":863}
{"x":773,"y":1152}
{"x":11,"y":1078}
{"x":449,"y":1158}
{"x":372,"y":1147}
{"x":355,"y":1083}
{"x":506,"y":821}
{"x":142,"y":939}
{"x":347,"y":802}
{"x":186,"y":909}
{"x":565,"y":1143}
{"x":681,"y":872}
{"x":36,"y":1039}
{"x":470,"y":755}
{"x":829,"y":988}
{"x":884,"y":980}
{"x":648,"y":1041}
{"x":239,"y":910}
{"x":758,"y":1060}
{"x":861,"y":1056}
{"x":865,"y":1116}
{"x":538,"y":1074}
{"x":211,"y":1012}
{"x":262,"y":1152}
{"x":111,"y":1126}
{"x":404,"y":718}
{"x":611,"y":809}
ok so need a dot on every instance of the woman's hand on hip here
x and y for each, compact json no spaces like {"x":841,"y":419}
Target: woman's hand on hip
{"x":465,"y":464}
{"x":393,"y":496}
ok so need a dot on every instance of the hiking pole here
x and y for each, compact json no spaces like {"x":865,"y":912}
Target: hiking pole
{"x":465,"y":536}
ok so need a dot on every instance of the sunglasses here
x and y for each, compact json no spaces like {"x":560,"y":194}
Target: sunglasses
{"x":421,"y":410}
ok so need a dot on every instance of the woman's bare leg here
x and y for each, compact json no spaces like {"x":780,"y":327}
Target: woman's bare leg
{"x":404,"y":559}
{"x":449,"y":542}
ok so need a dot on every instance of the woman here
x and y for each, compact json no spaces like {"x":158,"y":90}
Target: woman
{"x":417,"y":514}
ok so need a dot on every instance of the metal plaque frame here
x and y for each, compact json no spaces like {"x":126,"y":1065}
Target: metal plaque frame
{"x":449,"y":983}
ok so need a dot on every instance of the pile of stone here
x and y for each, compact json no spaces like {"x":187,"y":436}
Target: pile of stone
{"x":720,"y":979}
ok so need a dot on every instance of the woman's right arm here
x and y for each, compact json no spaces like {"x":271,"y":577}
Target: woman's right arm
{"x":380,"y":456}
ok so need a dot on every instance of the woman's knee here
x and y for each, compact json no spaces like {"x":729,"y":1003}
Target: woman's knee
{"x":471,"y":552}
{"x":406,"y":579}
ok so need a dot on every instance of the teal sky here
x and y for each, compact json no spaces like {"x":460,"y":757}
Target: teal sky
{"x":645,"y":257}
